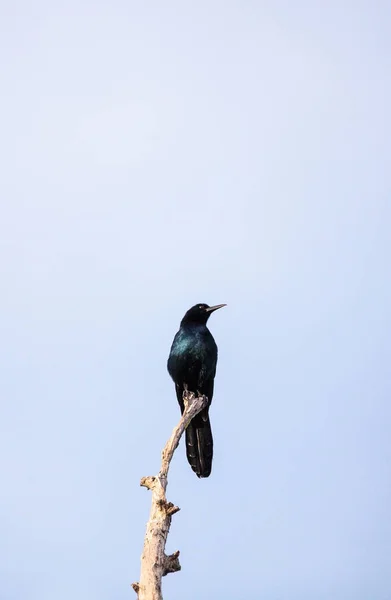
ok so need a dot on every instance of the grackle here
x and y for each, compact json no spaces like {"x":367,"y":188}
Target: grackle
{"x":192,"y":366}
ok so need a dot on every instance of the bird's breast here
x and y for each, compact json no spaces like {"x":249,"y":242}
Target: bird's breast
{"x":195,"y":343}
{"x":193,"y":348}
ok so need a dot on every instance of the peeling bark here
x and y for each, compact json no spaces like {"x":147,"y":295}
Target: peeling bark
{"x":155,"y":564}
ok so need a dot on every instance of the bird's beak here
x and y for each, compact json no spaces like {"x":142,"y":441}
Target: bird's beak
{"x":212,"y":308}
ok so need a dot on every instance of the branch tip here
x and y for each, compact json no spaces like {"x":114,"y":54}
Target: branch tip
{"x":171,"y":563}
{"x":171,"y":509}
{"x":136,"y":587}
{"x":148,"y":482}
{"x":168,"y":507}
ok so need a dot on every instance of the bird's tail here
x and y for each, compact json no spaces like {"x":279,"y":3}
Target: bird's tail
{"x":199,"y":444}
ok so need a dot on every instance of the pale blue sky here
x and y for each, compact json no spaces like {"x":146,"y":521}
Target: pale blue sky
{"x":155,"y":155}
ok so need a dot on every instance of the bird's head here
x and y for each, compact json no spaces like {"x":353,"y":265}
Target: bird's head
{"x":199,"y":313}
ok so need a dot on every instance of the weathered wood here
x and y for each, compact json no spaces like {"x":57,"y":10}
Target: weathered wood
{"x":155,"y":564}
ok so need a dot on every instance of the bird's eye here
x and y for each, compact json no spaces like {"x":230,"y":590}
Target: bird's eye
{"x":200,"y":306}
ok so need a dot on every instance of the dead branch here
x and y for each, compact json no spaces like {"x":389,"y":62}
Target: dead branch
{"x":155,"y":564}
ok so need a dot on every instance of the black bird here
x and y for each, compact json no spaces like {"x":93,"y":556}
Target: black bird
{"x":192,"y":365}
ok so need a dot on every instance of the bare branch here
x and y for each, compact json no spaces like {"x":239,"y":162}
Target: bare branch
{"x":155,"y":564}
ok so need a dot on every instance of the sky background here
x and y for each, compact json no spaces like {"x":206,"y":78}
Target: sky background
{"x":156,"y":155}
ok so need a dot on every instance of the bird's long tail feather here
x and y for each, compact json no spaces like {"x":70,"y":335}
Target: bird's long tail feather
{"x":199,"y":444}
